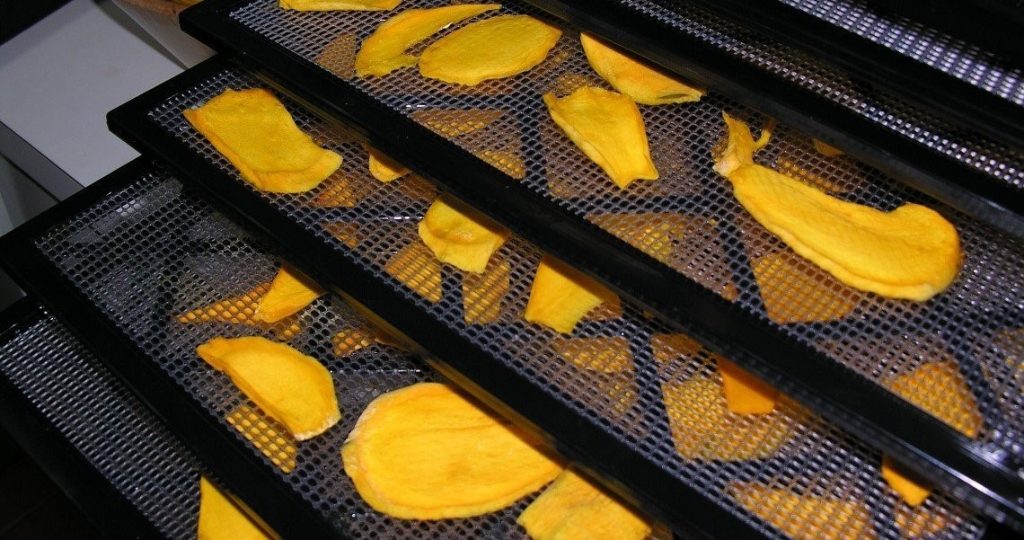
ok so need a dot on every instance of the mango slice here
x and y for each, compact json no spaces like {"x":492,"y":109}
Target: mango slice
{"x":452,"y":123}
{"x":416,"y":267}
{"x":482,"y":294}
{"x":805,"y":517}
{"x":339,"y":56}
{"x":254,"y":131}
{"x":383,"y":168}
{"x":910,"y":489}
{"x":289,"y":293}
{"x":242,"y":310}
{"x":608,"y":128}
{"x":654,"y":233}
{"x":561,"y":296}
{"x":339,"y":5}
{"x":292,"y":388}
{"x":220,"y":519}
{"x":264,"y":434}
{"x":346,"y":232}
{"x":911,"y":252}
{"x":789,"y":167}
{"x":384,"y":50}
{"x":571,"y":507}
{"x":940,"y":389}
{"x":919,"y":522}
{"x":460,"y":236}
{"x":427,"y":452}
{"x":793,"y":294}
{"x":602,"y":354}
{"x":745,"y":393}
{"x":351,"y":340}
{"x":510,"y":163}
{"x":826,"y":149}
{"x":637,"y":80}
{"x":494,"y":48}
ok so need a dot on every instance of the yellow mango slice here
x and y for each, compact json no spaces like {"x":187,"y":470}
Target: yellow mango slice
{"x":242,"y":310}
{"x":745,"y":393}
{"x":561,"y":296}
{"x":416,"y":267}
{"x":654,"y":233}
{"x":911,"y":490}
{"x":911,"y":252}
{"x":482,"y":294}
{"x":668,"y":347}
{"x":789,"y":167}
{"x":339,"y":5}
{"x":459,"y":236}
{"x":254,"y":131}
{"x":608,"y":128}
{"x":940,"y":389}
{"x":826,"y":149}
{"x":602,"y":354}
{"x":292,"y":388}
{"x":507,"y":162}
{"x":573,"y":508}
{"x":289,"y":293}
{"x":493,"y":48}
{"x":703,"y":427}
{"x":220,"y":519}
{"x":637,"y":80}
{"x":346,"y":232}
{"x":919,"y":522}
{"x":384,"y":50}
{"x":351,"y":340}
{"x":338,"y":192}
{"x":427,"y":452}
{"x":805,"y":517}
{"x":792,"y":294}
{"x":278,"y":447}
{"x":455,"y":122}
{"x":383,"y":168}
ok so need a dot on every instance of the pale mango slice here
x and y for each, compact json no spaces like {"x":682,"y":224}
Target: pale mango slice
{"x":826,"y":149}
{"x":264,"y":434}
{"x":427,"y":452}
{"x":745,"y":393}
{"x":384,"y":50}
{"x":482,"y":294}
{"x":654,"y":233}
{"x":561,"y":296}
{"x":254,"y":131}
{"x":940,"y":389}
{"x":911,"y":252}
{"x":383,"y":168}
{"x":453,"y":123}
{"x":292,"y":388}
{"x":573,"y":508}
{"x":636,"y":79}
{"x":339,"y":5}
{"x":220,"y":519}
{"x":912,"y":490}
{"x":289,"y":293}
{"x":416,"y":267}
{"x":494,"y":48}
{"x":806,"y":517}
{"x":242,"y":310}
{"x":460,"y":236}
{"x":792,"y":294}
{"x":608,"y":128}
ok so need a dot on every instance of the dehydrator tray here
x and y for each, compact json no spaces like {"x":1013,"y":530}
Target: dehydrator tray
{"x":130,"y":475}
{"x":882,"y":338}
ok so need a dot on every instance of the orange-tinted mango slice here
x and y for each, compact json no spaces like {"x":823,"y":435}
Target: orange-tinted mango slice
{"x":745,"y":393}
{"x":278,"y":447}
{"x":339,"y":5}
{"x":940,"y":389}
{"x":792,"y":294}
{"x":494,"y":48}
{"x":510,"y":163}
{"x":919,"y":522}
{"x":219,"y":519}
{"x":482,"y":294}
{"x":912,"y":490}
{"x":289,"y":293}
{"x":416,"y":267}
{"x":826,"y":149}
{"x":635,"y":79}
{"x":242,"y":310}
{"x":460,"y":236}
{"x":384,"y":51}
{"x":805,"y":517}
{"x":351,"y":340}
{"x":428,"y":452}
{"x":254,"y":131}
{"x":292,"y":388}
{"x":383,"y":168}
{"x":455,"y":122}
{"x":602,"y":354}
{"x":654,"y":233}
{"x":561,"y":296}
{"x":608,"y":128}
{"x":573,"y":508}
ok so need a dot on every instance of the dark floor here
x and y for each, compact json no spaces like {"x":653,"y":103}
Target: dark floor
{"x":31,"y":505}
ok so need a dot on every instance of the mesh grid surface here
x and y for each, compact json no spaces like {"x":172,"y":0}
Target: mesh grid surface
{"x":662,"y":397}
{"x":973,"y":326}
{"x":117,"y":435}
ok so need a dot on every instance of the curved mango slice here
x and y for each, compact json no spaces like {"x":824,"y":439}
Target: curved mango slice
{"x":826,"y":150}
{"x":292,"y":388}
{"x":219,"y":519}
{"x":459,"y":236}
{"x":911,"y":490}
{"x":264,"y":434}
{"x":805,"y":517}
{"x":482,"y":294}
{"x":745,"y":393}
{"x":416,"y":267}
{"x":792,"y":294}
{"x":339,"y":5}
{"x":571,"y":507}
{"x":911,"y":252}
{"x":494,"y":48}
{"x":561,"y":296}
{"x":289,"y":293}
{"x":242,"y":310}
{"x":383,"y":168}
{"x":654,"y":233}
{"x":427,"y":452}
{"x":637,"y":80}
{"x":384,"y":51}
{"x":940,"y":389}
{"x":351,"y":340}
{"x":254,"y":131}
{"x":608,"y":128}
{"x":455,"y":122}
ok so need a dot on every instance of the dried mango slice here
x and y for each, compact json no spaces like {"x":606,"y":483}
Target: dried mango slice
{"x":384,"y":51}
{"x":703,"y":428}
{"x":482,"y":294}
{"x":940,"y":389}
{"x":346,"y":232}
{"x":459,"y":236}
{"x":826,"y":150}
{"x":264,"y":434}
{"x":792,"y":294}
{"x":919,"y":522}
{"x":254,"y":131}
{"x":561,"y":296}
{"x":339,"y":192}
{"x":339,"y":5}
{"x":289,"y":293}
{"x":608,"y":128}
{"x":455,"y":122}
{"x":510,"y":163}
{"x":805,"y":517}
{"x":789,"y":167}
{"x":745,"y":393}
{"x":339,"y":56}
{"x":654,"y":233}
{"x":427,"y":452}
{"x":602,"y":354}
{"x":637,"y":80}
{"x":910,"y":489}
{"x":572,"y":507}
{"x":668,"y":347}
{"x":383,"y":168}
{"x":242,"y":310}
{"x":494,"y":48}
{"x":911,"y":252}
{"x":351,"y":340}
{"x":292,"y":388}
{"x":416,"y":267}
{"x":220,"y":519}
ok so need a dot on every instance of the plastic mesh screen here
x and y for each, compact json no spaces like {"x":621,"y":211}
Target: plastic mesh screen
{"x":621,"y":370}
{"x":117,"y":435}
{"x":690,"y":220}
